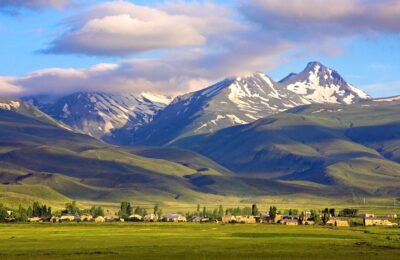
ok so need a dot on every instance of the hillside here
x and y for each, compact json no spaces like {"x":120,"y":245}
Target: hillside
{"x":354,"y":147}
{"x":57,"y":164}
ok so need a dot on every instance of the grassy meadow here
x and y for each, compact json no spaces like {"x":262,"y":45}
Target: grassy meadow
{"x":195,"y":241}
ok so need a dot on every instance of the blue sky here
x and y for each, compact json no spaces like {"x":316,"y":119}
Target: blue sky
{"x":36,"y":38}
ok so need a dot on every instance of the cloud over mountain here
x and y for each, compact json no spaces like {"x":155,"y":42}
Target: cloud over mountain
{"x":179,"y":46}
{"x":120,"y":28}
{"x":324,"y":19}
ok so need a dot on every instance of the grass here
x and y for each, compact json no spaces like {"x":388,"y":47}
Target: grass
{"x":195,"y":241}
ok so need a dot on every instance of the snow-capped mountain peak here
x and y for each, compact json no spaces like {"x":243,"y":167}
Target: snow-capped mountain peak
{"x":98,"y":114}
{"x":320,"y":84}
{"x":229,"y":102}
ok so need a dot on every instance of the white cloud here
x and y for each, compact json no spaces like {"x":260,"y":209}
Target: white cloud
{"x":120,"y":28}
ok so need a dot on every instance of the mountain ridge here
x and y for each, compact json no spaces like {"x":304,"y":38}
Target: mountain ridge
{"x":241,"y":100}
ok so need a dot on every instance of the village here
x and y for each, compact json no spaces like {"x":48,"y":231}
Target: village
{"x":247,"y":215}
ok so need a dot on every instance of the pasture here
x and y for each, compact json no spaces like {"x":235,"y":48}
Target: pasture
{"x":195,"y":241}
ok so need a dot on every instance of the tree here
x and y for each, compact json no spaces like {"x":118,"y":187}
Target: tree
{"x":140,"y":211}
{"x":204,"y":212}
{"x":220,"y":212}
{"x":125,"y":210}
{"x":272,"y":212}
{"x":155,"y":209}
{"x":332,"y":212}
{"x":348,"y":212}
{"x":21,"y":214}
{"x":254,"y":210}
{"x":325,"y":217}
{"x":3,"y":213}
{"x":71,"y":208}
{"x":315,"y":216}
{"x":96,"y":211}
{"x":159,"y":214}
{"x":198,"y":209}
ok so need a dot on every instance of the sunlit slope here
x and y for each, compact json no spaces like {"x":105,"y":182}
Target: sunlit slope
{"x":352,"y":146}
{"x":36,"y":152}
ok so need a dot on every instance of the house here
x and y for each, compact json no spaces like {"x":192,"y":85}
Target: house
{"x":246,"y":219}
{"x":45,"y":219}
{"x":199,"y":219}
{"x":205,"y":219}
{"x":196,"y":219}
{"x":378,"y":221}
{"x":67,"y":218}
{"x":367,"y":215}
{"x":150,"y":218}
{"x":228,"y":219}
{"x":175,"y":218}
{"x":99,"y":219}
{"x":86,"y":217}
{"x":337,"y":222}
{"x":265,"y":218}
{"x":34,"y":220}
{"x":135,"y":217}
{"x":392,"y":216}
{"x":55,"y":219}
{"x":111,"y":218}
{"x":290,"y":222}
{"x":308,"y":222}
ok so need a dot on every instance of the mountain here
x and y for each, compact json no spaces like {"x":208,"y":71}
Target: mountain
{"x":43,"y":160}
{"x":240,"y":100}
{"x":23,"y":108}
{"x":316,"y":151}
{"x":320,"y":84}
{"x":98,"y":114}
{"x":354,"y":148}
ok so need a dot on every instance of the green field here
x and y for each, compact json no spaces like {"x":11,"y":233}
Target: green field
{"x":195,"y":241}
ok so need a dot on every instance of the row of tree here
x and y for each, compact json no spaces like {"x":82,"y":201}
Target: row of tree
{"x":126,"y":210}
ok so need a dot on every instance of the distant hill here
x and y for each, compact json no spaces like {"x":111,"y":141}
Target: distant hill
{"x":355,"y":147}
{"x":58,"y":164}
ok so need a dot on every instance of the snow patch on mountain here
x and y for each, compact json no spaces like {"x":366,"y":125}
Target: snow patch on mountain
{"x":99,"y":114}
{"x":388,"y":99}
{"x":319,"y":84}
{"x":10,"y":105}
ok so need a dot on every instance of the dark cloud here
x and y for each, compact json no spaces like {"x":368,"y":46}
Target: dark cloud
{"x":316,"y":20}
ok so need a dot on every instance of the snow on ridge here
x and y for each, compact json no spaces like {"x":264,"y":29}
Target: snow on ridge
{"x":10,"y":105}
{"x":388,"y":99}
{"x":157,"y":98}
{"x":358,"y":91}
{"x":320,"y":84}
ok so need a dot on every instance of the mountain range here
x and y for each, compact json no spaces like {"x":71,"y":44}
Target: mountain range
{"x":241,"y":100}
{"x":310,"y":134}
{"x":98,"y":114}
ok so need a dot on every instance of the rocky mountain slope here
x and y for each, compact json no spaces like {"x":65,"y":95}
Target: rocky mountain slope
{"x":98,"y":114}
{"x":239,"y":101}
{"x":320,"y":84}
